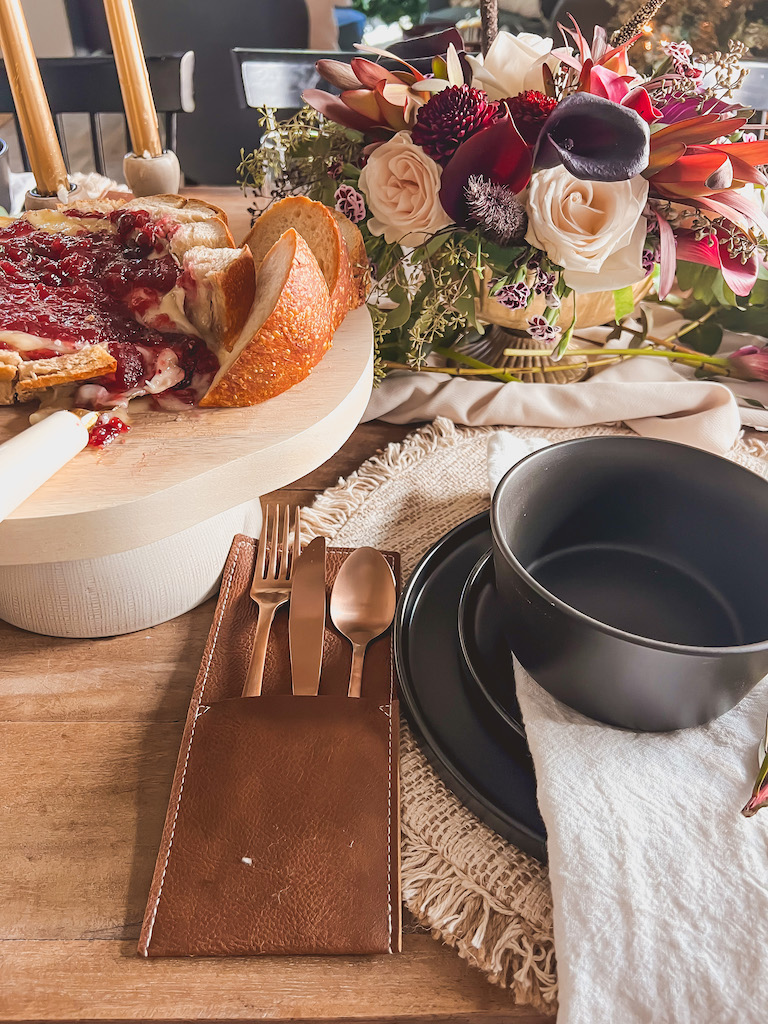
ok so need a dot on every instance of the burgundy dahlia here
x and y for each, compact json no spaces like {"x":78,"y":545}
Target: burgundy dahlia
{"x":450,"y":117}
{"x":529,"y":110}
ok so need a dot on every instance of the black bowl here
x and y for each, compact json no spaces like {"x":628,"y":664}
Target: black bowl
{"x":635,"y":577}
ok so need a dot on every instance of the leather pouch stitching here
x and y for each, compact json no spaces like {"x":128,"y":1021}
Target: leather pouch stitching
{"x":201,"y":709}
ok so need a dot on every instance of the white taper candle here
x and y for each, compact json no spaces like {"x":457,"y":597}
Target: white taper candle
{"x":34,"y":455}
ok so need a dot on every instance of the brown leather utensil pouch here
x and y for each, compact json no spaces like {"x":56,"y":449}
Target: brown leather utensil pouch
{"x":282,"y":831}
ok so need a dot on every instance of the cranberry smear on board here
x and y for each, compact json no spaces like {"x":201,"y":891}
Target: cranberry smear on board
{"x":104,"y":433}
{"x":87,"y":289}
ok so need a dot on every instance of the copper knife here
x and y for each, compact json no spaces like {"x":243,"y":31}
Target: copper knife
{"x":306,"y":620}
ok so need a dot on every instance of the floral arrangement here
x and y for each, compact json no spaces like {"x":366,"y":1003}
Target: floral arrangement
{"x":535,"y":176}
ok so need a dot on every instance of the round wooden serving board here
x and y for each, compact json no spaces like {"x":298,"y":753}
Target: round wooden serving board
{"x":172,"y":471}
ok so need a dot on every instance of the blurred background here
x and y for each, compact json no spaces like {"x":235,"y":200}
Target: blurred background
{"x":207,"y":100}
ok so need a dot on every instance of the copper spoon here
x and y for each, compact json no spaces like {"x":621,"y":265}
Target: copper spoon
{"x":363,"y":603}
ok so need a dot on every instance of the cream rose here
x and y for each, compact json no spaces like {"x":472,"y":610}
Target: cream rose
{"x":402,"y":187}
{"x":512,"y":65}
{"x":595,"y":230}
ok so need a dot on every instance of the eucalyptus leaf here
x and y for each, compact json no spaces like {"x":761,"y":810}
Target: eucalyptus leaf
{"x":400,"y":315}
{"x":753,"y":402}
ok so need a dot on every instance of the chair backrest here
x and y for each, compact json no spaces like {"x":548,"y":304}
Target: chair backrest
{"x":277,"y":78}
{"x":89,"y":85}
{"x":211,"y":138}
{"x":753,"y":93}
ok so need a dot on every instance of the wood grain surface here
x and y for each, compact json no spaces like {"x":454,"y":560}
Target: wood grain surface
{"x":89,"y":734}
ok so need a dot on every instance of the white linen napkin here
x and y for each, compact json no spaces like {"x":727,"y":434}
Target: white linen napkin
{"x":652,"y":396}
{"x":660,"y":886}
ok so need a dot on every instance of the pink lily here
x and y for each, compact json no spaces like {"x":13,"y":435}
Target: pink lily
{"x":713,"y":252}
{"x":598,"y":54}
{"x":601,"y":81}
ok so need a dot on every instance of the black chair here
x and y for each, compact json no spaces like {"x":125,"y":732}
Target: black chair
{"x":89,"y":85}
{"x":277,"y":78}
{"x":211,"y":138}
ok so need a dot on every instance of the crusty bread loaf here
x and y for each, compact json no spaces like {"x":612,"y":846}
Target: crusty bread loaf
{"x":288,"y":332}
{"x":268,"y":329}
{"x":315,"y":223}
{"x":358,"y":257}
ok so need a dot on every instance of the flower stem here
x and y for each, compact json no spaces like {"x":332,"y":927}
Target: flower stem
{"x":695,"y":358}
{"x":465,"y":360}
{"x":454,"y":371}
{"x":669,"y":342}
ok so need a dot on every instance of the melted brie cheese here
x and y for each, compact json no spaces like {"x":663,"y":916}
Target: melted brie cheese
{"x":172,"y":306}
{"x":22,"y":342}
{"x":53,"y":220}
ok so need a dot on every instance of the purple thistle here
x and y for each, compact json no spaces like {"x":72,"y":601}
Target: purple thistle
{"x":350,"y":202}
{"x":540,"y":329}
{"x":514,"y":296}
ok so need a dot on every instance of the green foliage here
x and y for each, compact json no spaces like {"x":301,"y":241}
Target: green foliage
{"x":392,"y":10}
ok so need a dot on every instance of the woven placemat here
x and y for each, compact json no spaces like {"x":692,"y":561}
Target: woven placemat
{"x":471,"y":888}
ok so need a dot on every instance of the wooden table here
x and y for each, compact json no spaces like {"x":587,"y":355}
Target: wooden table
{"x":89,"y":733}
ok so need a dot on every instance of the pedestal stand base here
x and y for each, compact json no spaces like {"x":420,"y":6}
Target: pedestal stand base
{"x":125,"y":592}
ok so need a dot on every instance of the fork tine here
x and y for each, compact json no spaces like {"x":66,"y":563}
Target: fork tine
{"x":261,"y":554}
{"x":296,"y":546}
{"x":274,"y":540}
{"x":285,"y":544}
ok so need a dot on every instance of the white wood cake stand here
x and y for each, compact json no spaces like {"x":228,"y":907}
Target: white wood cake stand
{"x":137,"y":533}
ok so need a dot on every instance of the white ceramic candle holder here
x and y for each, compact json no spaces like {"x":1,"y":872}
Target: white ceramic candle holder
{"x":34,"y":201}
{"x":152,"y":175}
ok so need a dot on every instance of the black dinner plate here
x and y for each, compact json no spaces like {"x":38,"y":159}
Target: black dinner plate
{"x":479,"y":756}
{"x":484,"y":644}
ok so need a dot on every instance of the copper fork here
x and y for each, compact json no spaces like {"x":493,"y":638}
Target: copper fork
{"x":271,"y":587}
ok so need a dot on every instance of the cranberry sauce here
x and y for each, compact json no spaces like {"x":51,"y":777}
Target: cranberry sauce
{"x":86,"y":289}
{"x":106,"y":430}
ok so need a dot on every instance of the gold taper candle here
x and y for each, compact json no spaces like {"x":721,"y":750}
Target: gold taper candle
{"x":30,"y":101}
{"x":134,"y":80}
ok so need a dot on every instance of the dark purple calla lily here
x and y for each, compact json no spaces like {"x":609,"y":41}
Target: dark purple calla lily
{"x":497,"y":153}
{"x":594,"y":138}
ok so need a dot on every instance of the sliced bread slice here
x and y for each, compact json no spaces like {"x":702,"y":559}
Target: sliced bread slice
{"x":358,"y":257}
{"x":319,"y":229}
{"x":287,"y":333}
{"x":219,"y":285}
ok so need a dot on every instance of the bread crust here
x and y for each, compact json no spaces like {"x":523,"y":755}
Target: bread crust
{"x":358,"y":257}
{"x":281,"y":349}
{"x":86,"y":363}
{"x":323,"y":235}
